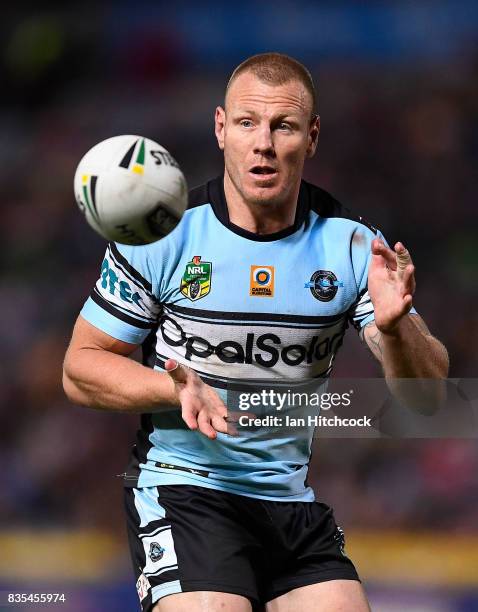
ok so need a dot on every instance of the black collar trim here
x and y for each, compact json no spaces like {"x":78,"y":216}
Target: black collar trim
{"x":217,"y":199}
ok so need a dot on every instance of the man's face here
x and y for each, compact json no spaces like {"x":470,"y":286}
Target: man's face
{"x":266,"y":133}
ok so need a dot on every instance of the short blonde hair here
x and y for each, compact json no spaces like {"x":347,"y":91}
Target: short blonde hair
{"x":276,"y":69}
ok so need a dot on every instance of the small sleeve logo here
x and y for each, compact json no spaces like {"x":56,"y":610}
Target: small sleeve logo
{"x":156,"y":552}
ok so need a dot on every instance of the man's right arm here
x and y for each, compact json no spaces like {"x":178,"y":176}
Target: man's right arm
{"x":98,"y":373}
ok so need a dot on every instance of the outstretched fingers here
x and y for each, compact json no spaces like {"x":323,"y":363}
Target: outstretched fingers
{"x":403,"y":256}
{"x":219,"y":416}
{"x":205,"y":427}
{"x":201,"y":407}
{"x":219,"y":423}
{"x":189,"y":413}
{"x":408,"y":279}
{"x":383,"y":256}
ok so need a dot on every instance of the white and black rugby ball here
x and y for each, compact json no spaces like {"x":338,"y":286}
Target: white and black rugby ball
{"x":130,"y":190}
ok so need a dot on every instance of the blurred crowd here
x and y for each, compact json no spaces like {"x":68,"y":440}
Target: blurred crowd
{"x":399,"y":145}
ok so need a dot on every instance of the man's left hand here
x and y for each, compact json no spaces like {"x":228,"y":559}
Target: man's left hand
{"x":391,"y":284}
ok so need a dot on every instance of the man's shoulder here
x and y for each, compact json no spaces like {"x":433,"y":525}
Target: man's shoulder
{"x":326,"y":206}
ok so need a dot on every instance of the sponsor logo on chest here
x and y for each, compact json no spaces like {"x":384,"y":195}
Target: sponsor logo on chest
{"x":262,"y":281}
{"x":239,"y":346}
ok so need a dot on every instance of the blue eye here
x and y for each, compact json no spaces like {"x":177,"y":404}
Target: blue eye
{"x":246,"y":123}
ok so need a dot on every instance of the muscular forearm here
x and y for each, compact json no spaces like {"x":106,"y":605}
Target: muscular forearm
{"x":412,"y":352}
{"x":104,"y":380}
{"x":414,"y":363}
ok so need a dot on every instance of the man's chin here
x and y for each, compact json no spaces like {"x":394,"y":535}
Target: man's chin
{"x":263,"y":195}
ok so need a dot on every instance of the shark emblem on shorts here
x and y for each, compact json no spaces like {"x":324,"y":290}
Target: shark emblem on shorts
{"x":156,"y":552}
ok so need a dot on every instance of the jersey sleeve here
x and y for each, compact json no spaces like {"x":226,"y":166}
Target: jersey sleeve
{"x":361,"y":312}
{"x":123,"y":302}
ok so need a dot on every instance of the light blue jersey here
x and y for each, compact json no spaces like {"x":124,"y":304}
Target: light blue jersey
{"x":234,"y":305}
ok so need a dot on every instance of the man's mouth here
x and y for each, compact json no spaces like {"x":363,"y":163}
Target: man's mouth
{"x":263,"y":172}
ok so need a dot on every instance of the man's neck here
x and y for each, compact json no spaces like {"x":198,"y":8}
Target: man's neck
{"x":266,"y":218}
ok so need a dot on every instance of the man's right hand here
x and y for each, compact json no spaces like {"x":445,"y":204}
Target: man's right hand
{"x":201,"y":406}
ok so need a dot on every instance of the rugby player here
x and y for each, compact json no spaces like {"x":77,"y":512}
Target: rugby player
{"x":259,"y":280}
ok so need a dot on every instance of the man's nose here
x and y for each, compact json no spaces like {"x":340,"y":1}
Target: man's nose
{"x":264,"y":144}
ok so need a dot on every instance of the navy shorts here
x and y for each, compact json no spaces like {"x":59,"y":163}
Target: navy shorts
{"x":188,"y":538}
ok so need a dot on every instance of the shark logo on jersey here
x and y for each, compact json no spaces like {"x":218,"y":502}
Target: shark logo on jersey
{"x":196,"y":281}
{"x":156,"y":552}
{"x":323,"y":285}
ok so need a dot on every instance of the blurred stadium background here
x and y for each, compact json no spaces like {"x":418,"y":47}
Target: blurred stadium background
{"x":398,"y":98}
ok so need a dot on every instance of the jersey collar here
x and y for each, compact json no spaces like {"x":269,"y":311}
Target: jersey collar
{"x":217,"y":199}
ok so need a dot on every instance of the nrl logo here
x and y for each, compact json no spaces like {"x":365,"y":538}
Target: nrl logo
{"x":196,"y":281}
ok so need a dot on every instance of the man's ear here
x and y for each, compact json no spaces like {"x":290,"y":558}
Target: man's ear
{"x":219,"y":126}
{"x":313,"y":135}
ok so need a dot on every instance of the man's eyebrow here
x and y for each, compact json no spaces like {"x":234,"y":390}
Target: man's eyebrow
{"x":244,"y":111}
{"x":248,"y":111}
{"x":289,"y":116}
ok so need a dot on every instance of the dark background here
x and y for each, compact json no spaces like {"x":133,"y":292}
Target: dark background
{"x":398,"y":98}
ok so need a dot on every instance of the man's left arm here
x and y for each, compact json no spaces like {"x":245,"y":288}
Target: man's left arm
{"x":401,"y":341}
{"x":410,"y":351}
